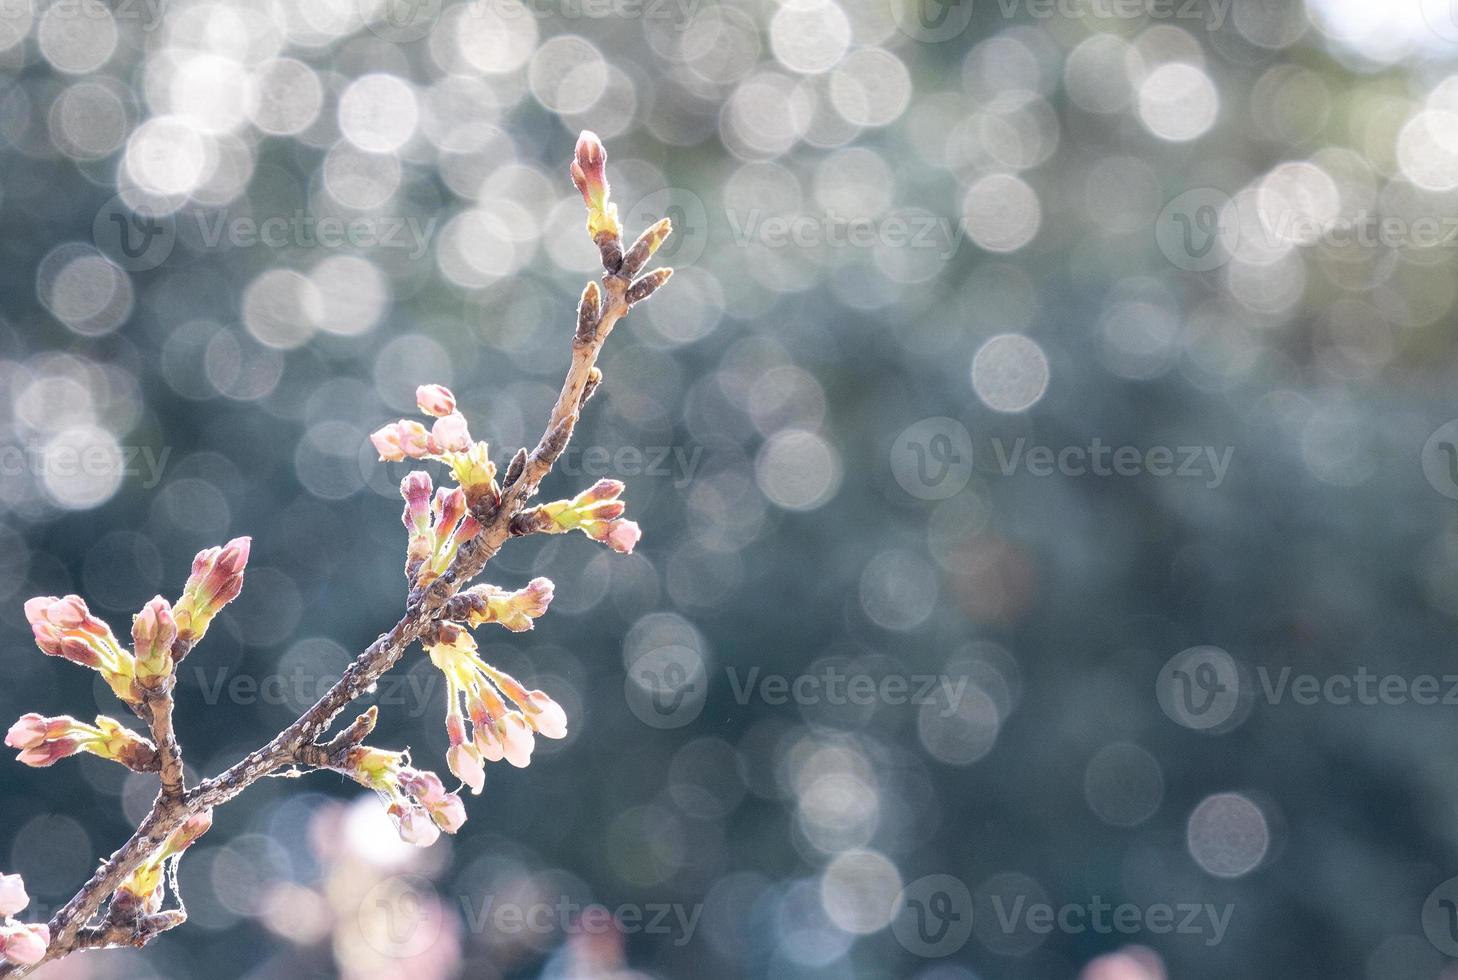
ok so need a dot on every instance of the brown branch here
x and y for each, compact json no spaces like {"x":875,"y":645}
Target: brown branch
{"x":298,"y":744}
{"x":169,"y":753}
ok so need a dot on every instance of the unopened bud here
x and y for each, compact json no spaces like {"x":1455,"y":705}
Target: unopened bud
{"x":648,"y":243}
{"x":216,"y":580}
{"x":435,"y":400}
{"x":154,"y":631}
{"x":589,"y":175}
{"x":648,"y":285}
{"x":400,"y":440}
{"x":24,"y":944}
{"x":12,"y":895}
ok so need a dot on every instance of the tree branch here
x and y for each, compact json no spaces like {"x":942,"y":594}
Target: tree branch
{"x":299,"y":744}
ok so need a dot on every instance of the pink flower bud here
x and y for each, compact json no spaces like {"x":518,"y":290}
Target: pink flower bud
{"x":216,"y":580}
{"x":416,"y":489}
{"x":185,"y":836}
{"x":545,"y":715}
{"x":588,"y":169}
{"x":449,"y":814}
{"x":435,"y":400}
{"x":386,"y":440}
{"x":536,"y":597}
{"x":36,"y":609}
{"x":400,"y":439}
{"x":449,"y":434}
{"x":606,"y":510}
{"x":516,"y":739}
{"x":449,"y":507}
{"x":27,"y":733}
{"x":24,"y":945}
{"x":154,"y":631}
{"x":464,"y":761}
{"x":45,"y":741}
{"x":604,"y":489}
{"x":422,"y":784}
{"x":623,"y":536}
{"x":488,"y":743}
{"x":414,"y":824}
{"x":12,"y":895}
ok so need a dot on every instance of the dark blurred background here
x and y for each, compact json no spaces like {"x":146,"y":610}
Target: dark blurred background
{"x":1043,"y":451}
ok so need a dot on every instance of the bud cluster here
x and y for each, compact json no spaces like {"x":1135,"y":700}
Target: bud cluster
{"x":448,"y":441}
{"x":415,"y":799}
{"x":20,"y":944}
{"x":479,"y":724}
{"x":517,"y":610}
{"x":437,"y":526}
{"x":216,"y":580}
{"x":161,"y":633}
{"x":596,"y":512}
{"x":42,"y":741}
{"x":66,"y":628}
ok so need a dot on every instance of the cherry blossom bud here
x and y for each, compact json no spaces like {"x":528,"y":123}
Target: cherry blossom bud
{"x":142,"y":890}
{"x":28,"y":732}
{"x":66,"y":628}
{"x":216,"y":580}
{"x":24,"y":945}
{"x":416,"y":489}
{"x":516,"y":611}
{"x":450,"y":507}
{"x":596,"y":512}
{"x":154,"y":631}
{"x":435,"y":400}
{"x":516,"y":739}
{"x":449,"y":434}
{"x":488,"y":742}
{"x":12,"y":895}
{"x":464,"y":761}
{"x":44,"y":741}
{"x":545,"y":715}
{"x":449,"y":814}
{"x":604,"y":489}
{"x":185,"y":836}
{"x":446,"y":809}
{"x":589,"y":175}
{"x":414,"y":824}
{"x":623,"y":536}
{"x":398,"y":440}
